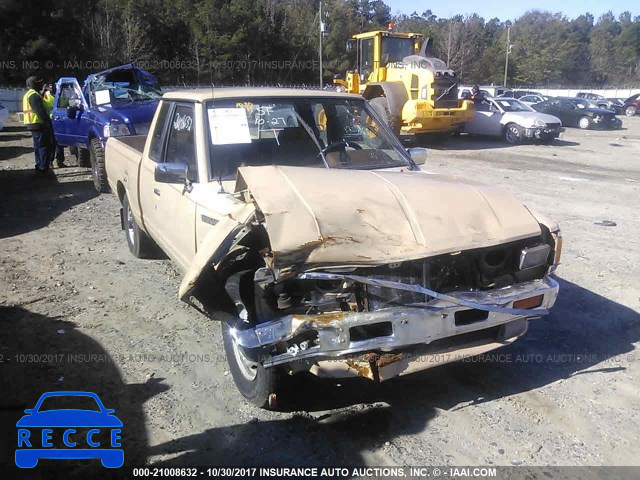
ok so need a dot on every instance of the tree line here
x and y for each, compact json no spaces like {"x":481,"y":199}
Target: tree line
{"x":238,"y":42}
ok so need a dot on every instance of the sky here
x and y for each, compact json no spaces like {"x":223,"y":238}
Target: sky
{"x":510,"y":9}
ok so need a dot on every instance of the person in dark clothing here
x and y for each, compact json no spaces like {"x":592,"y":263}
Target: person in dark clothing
{"x":38,"y":122}
{"x":476,"y":95}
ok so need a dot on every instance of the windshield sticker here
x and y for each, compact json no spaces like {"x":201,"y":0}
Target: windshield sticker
{"x":228,"y":126}
{"x":274,"y":117}
{"x":505,"y":103}
{"x":183,"y":122}
{"x":103,"y":97}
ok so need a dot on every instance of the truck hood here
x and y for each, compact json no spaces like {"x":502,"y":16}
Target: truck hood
{"x":526,"y":119}
{"x":365,"y":217}
{"x":321,"y":218}
{"x":134,"y":112}
{"x":599,"y":111}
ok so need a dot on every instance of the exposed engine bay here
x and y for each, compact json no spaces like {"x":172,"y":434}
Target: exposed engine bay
{"x":376,"y":314}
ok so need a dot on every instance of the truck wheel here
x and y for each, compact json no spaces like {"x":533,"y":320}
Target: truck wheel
{"x":98,"y":170}
{"x":584,"y":123}
{"x":381,"y":107}
{"x":140,"y":244}
{"x":257,"y":384}
{"x":513,"y":133}
{"x":630,"y":111}
{"x":82,"y":155}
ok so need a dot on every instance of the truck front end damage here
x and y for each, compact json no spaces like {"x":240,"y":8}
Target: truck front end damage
{"x":314,"y":284}
{"x":384,"y":323}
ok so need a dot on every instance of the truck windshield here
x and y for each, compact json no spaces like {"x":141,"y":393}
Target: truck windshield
{"x":323,"y":133}
{"x":120,"y":87}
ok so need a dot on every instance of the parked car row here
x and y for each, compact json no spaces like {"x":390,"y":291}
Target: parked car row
{"x":574,"y":112}
{"x":620,"y":106}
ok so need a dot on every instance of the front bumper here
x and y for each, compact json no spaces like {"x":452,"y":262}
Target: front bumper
{"x":604,"y":123}
{"x":419,"y":117}
{"x":542,"y":132}
{"x":336,"y":335}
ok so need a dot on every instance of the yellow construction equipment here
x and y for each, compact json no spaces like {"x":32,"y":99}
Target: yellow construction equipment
{"x":413,"y":91}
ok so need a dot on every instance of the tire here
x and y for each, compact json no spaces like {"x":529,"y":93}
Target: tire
{"x":98,"y":170}
{"x":513,"y":133}
{"x":82,"y":155}
{"x":630,"y":111}
{"x":584,"y":123}
{"x":257,"y":384}
{"x":140,"y":244}
{"x":381,"y":107}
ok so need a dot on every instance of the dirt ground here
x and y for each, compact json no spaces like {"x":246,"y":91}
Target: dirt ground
{"x":78,"y":312}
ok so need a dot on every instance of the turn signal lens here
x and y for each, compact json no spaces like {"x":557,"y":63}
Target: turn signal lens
{"x":527,"y":303}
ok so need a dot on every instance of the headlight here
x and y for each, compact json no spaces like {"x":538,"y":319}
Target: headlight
{"x":538,"y":123}
{"x":116,"y":130}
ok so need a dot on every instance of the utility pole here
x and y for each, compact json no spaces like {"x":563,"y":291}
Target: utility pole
{"x":321,"y":28}
{"x":506,"y":61}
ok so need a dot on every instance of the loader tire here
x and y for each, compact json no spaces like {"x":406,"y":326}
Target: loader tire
{"x":381,"y":107}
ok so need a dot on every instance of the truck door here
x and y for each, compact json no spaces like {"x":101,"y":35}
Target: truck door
{"x":168,"y":209}
{"x":69,"y":108}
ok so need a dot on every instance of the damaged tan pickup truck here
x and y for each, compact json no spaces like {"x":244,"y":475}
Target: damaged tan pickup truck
{"x":305,"y":228}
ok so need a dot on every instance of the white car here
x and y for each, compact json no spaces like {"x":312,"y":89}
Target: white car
{"x":533,"y":99}
{"x":512,"y":120}
{"x":4,"y":115}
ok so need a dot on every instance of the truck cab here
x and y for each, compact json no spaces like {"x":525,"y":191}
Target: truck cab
{"x":117,"y":102}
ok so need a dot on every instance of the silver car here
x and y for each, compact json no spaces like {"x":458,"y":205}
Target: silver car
{"x":512,"y":120}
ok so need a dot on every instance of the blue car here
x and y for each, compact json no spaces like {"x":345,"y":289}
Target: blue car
{"x":81,"y":429}
{"x":117,"y":102}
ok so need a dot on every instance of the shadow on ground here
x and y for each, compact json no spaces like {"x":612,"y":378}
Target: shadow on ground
{"x":42,"y":354}
{"x":29,"y":202}
{"x":10,"y":152}
{"x":585,"y":325}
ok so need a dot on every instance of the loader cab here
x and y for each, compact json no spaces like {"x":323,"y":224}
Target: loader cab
{"x":377,"y":49}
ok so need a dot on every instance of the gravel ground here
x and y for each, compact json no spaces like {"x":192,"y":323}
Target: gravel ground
{"x":78,"y":312}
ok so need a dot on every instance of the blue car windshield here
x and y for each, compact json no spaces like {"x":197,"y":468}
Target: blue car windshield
{"x":66,"y":402}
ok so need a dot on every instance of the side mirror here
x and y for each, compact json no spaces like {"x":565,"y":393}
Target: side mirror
{"x":75,"y":106}
{"x":418,"y":155}
{"x":29,"y":411}
{"x":171,"y":173}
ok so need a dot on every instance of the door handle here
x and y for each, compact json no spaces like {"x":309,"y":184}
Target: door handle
{"x":156,"y":191}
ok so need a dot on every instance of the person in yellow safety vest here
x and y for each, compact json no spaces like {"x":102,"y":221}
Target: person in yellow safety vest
{"x":57,"y":151}
{"x":38,"y":122}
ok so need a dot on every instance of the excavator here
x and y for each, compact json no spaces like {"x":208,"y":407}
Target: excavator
{"x":413,"y":92}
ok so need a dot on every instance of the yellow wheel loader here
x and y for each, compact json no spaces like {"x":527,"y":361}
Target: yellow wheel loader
{"x":411,"y":90}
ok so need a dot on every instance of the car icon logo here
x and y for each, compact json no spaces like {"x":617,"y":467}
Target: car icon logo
{"x":51,"y":430}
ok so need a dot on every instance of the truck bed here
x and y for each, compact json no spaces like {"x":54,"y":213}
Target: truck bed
{"x":136,"y":142}
{"x":122,"y":161}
